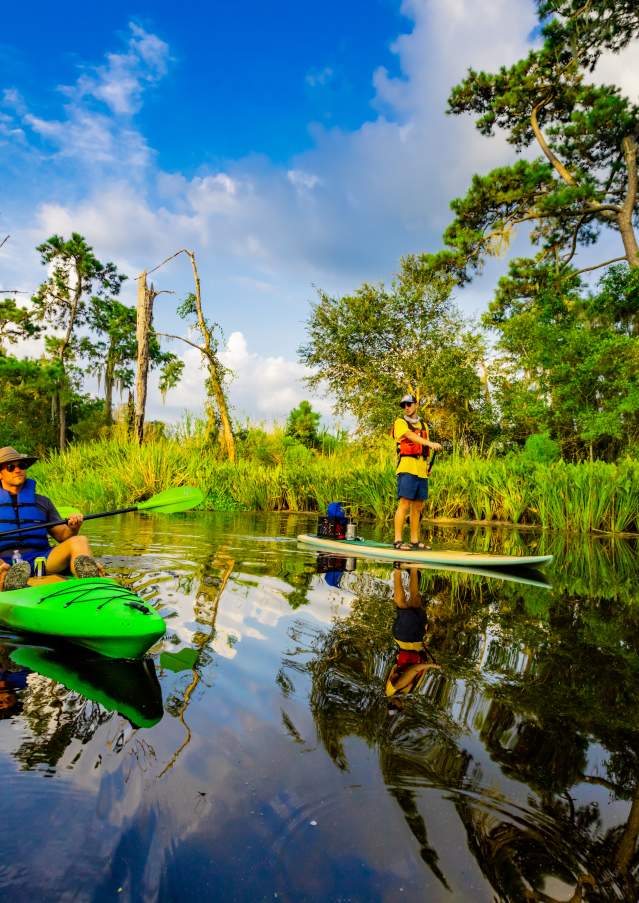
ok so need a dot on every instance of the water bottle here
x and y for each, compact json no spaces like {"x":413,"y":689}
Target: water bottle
{"x":16,"y":558}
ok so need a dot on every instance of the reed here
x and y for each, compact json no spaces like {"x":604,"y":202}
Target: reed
{"x":587,"y":497}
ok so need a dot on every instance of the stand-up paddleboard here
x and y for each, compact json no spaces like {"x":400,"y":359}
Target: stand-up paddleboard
{"x":366,"y":548}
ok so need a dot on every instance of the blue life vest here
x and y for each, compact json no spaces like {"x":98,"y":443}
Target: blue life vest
{"x":26,"y":512}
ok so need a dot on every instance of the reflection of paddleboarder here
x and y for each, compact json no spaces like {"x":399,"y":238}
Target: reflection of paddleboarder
{"x":413,"y":659}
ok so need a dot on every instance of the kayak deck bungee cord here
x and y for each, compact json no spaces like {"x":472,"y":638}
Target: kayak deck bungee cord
{"x":97,"y":613}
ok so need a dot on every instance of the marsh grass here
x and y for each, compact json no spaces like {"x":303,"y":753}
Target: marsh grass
{"x":587,"y":497}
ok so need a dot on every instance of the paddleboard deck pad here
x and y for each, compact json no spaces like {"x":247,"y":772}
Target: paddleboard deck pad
{"x":97,"y":613}
{"x":365,"y":548}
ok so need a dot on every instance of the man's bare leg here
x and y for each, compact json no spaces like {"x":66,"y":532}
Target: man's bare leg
{"x":63,"y":556}
{"x":400,"y":518}
{"x":415,"y":519}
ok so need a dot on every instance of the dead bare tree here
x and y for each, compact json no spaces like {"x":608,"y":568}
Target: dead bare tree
{"x":217,"y":405}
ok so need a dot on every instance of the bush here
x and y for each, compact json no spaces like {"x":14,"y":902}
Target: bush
{"x":541,"y":449}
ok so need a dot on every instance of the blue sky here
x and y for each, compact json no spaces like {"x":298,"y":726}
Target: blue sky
{"x":290,"y":145}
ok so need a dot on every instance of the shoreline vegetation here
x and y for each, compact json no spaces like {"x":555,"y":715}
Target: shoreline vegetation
{"x":586,"y":497}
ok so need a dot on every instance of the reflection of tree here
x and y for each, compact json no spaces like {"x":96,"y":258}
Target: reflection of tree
{"x":539,"y":692}
{"x":206,"y":605}
{"x":56,"y":717}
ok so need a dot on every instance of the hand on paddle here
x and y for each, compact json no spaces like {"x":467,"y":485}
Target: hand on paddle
{"x":74,"y":522}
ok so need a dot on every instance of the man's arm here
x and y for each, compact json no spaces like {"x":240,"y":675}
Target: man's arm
{"x":66,"y":531}
{"x":426,"y":442}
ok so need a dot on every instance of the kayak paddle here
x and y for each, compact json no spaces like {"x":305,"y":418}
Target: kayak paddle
{"x":171,"y":501}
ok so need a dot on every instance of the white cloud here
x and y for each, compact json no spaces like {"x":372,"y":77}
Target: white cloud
{"x":263,"y":387}
{"x":303,"y":181}
{"x":319,"y":77}
{"x":120,"y":83}
{"x":621,"y":69}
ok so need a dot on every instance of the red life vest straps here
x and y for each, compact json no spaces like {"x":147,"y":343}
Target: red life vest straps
{"x":407,"y":448}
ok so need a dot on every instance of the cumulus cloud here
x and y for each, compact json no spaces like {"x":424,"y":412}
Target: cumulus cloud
{"x":95,"y":137}
{"x":121,"y":82}
{"x":262,"y":387}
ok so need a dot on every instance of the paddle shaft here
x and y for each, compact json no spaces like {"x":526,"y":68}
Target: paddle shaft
{"x":60,"y":523}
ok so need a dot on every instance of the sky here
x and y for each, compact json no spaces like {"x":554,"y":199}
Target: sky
{"x":292,"y":146}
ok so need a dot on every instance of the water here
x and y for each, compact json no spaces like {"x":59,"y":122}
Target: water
{"x":264,"y":755}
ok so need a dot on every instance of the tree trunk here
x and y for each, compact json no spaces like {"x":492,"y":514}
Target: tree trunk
{"x":628,"y":841}
{"x":143,"y":329}
{"x":625,"y":217}
{"x":108,"y":392}
{"x":214,"y":377}
{"x":130,"y":416}
{"x":62,"y":421}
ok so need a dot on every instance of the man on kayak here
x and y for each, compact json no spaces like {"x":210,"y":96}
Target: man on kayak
{"x":21,"y":506}
{"x":413,"y":450}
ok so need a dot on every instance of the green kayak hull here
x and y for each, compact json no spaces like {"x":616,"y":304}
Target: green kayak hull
{"x":129,"y":688}
{"x":96,"y":613}
{"x":364,"y":548}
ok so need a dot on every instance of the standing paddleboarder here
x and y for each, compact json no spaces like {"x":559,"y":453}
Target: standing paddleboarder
{"x":414,"y":448}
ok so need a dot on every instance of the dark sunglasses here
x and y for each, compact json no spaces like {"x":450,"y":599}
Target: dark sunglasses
{"x":15,"y":465}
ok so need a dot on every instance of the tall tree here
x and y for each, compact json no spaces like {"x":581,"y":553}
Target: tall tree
{"x":75,"y":275}
{"x":218,"y":417}
{"x":585,"y":179}
{"x":112,"y":353}
{"x":568,"y":360}
{"x":371,"y":347}
{"x":302,"y":424}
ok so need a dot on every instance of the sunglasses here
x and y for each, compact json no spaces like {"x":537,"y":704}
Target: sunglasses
{"x":15,"y":465}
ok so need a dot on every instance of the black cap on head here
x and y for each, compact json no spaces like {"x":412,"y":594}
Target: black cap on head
{"x":407,"y":399}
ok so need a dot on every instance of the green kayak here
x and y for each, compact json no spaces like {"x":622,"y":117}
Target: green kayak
{"x":130,"y":688}
{"x":97,"y":613}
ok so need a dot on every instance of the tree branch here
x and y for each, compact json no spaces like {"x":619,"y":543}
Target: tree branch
{"x":177,"y":254}
{"x":4,"y":240}
{"x":168,"y":335}
{"x":550,"y":156}
{"x":599,"y":265}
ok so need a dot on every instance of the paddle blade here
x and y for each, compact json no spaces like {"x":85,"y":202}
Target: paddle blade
{"x":171,"y":501}
{"x":65,"y":512}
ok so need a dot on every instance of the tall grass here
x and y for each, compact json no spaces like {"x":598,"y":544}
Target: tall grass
{"x":587,"y":497}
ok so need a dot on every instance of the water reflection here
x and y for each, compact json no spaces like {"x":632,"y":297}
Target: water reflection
{"x":535,"y":704}
{"x":318,"y":728}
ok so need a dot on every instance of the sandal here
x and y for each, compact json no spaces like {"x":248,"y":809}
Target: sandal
{"x":419,"y":547}
{"x":17,"y":576}
{"x":85,"y":566}
{"x":402,"y":546}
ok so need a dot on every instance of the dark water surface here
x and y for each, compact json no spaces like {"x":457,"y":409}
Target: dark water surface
{"x":278,"y":746}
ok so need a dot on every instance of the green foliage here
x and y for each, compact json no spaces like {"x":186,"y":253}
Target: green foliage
{"x":371,"y":347}
{"x":541,"y":449}
{"x":558,"y":496}
{"x":27,"y":391}
{"x":587,"y":135}
{"x":568,"y":361}
{"x":302,"y":424}
{"x":16,"y":323}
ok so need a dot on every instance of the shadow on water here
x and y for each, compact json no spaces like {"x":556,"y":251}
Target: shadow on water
{"x":313,"y":727}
